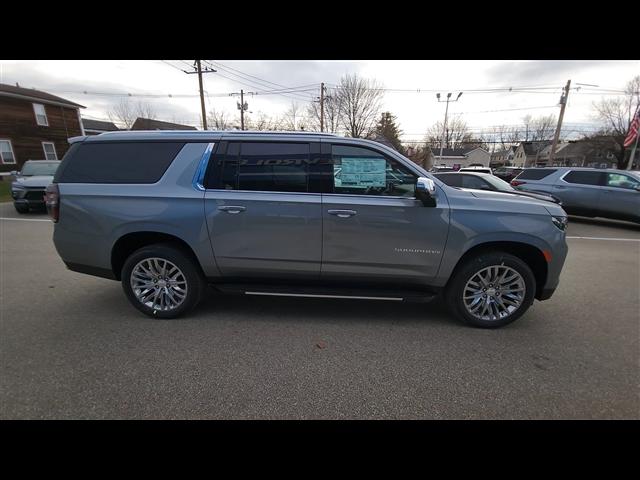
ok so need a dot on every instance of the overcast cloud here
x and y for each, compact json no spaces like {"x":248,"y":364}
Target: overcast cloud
{"x":416,"y":110}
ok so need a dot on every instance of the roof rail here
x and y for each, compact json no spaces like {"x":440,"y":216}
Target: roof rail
{"x":273,"y":132}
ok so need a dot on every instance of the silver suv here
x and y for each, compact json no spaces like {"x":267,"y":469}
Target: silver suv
{"x":588,"y":192}
{"x":318,"y":215}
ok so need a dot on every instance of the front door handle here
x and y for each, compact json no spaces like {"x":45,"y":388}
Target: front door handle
{"x":232,"y":208}
{"x":342,"y":213}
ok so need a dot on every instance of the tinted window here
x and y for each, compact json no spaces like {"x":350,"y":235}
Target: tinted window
{"x":451,"y":179}
{"x":262,"y":166}
{"x":361,"y":171}
{"x":620,"y":180}
{"x":470,"y":181}
{"x":125,"y":162}
{"x":273,"y":167}
{"x":535,"y":173}
{"x":583,"y":177}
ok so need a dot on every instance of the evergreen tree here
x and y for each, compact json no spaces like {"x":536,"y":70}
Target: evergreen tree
{"x":388,"y":131}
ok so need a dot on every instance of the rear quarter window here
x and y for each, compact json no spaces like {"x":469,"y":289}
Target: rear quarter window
{"x":535,"y":173}
{"x":583,"y":177}
{"x":117,"y":162}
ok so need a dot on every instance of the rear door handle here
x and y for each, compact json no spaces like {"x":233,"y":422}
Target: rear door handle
{"x":342,"y":213}
{"x":232,"y":208}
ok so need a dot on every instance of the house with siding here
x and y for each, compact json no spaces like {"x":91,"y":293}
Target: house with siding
{"x":96,"y":127}
{"x":459,"y":157}
{"x":527,"y":153}
{"x":35,"y":125}
{"x":503,"y":157}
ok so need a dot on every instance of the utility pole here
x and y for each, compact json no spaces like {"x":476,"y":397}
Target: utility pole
{"x":446,"y":112}
{"x":635,"y":145}
{"x":242,"y":106}
{"x":199,"y":71}
{"x":563,"y":105}
{"x":322,"y":107}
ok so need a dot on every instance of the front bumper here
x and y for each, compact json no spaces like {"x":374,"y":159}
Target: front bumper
{"x":31,"y":198}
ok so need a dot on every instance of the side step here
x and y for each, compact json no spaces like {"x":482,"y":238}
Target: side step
{"x":398,"y":295}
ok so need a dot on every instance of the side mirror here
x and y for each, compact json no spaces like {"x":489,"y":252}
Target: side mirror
{"x":14,"y":173}
{"x":426,"y":191}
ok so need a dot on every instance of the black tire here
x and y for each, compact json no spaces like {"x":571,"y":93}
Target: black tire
{"x":195,"y":281}
{"x":21,"y":207}
{"x":455,"y":288}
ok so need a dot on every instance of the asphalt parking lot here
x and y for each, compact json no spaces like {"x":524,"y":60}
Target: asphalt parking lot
{"x":72,"y":347}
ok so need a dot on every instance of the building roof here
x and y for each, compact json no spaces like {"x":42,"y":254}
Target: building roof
{"x":451,"y":152}
{"x":98,"y":125}
{"x":531,"y":148}
{"x":149,"y":124}
{"x":33,"y":94}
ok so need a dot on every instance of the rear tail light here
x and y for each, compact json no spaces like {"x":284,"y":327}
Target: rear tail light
{"x":52,"y":201}
{"x":515,"y":183}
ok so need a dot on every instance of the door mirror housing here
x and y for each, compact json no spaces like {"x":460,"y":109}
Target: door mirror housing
{"x":14,"y":173}
{"x":426,"y":191}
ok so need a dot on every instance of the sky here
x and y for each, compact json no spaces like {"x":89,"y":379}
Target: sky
{"x":410,"y":94}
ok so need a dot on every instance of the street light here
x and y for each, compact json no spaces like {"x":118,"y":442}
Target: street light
{"x":446,"y":112}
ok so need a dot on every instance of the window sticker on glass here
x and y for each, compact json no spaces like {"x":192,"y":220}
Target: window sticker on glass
{"x":361,"y":172}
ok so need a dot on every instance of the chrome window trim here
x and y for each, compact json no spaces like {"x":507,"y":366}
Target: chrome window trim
{"x":198,"y":178}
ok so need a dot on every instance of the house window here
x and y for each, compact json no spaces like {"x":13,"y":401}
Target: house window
{"x":6,"y":152}
{"x":41,"y":115}
{"x":49,"y":151}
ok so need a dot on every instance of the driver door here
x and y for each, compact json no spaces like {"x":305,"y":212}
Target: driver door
{"x":374,"y":228}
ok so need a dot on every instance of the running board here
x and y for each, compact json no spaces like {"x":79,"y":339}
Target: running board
{"x":355,"y":297}
{"x":394,"y":295}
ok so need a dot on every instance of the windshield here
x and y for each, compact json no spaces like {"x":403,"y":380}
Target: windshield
{"x":498,"y":183}
{"x":40,"y":168}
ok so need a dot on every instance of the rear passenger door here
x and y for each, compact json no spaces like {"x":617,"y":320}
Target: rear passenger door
{"x":262,"y":221}
{"x":579,"y":191}
{"x":374,"y":229}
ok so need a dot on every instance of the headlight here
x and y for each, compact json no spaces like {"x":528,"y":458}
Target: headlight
{"x":15,"y":186}
{"x":560,"y":222}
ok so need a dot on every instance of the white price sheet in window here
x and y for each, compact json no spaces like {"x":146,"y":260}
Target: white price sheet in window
{"x":361,"y":172}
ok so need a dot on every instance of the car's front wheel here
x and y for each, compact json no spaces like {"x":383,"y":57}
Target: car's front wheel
{"x":491,"y":290}
{"x":162,"y":281}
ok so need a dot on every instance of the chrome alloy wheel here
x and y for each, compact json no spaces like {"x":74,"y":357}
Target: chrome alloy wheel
{"x":158,"y":284}
{"x":494,"y":293}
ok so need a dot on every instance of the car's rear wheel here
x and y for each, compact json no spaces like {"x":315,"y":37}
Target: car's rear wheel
{"x":21,"y":207}
{"x":162,"y":281}
{"x":491,"y":290}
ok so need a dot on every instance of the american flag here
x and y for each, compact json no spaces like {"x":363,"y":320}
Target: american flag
{"x":633,"y":129}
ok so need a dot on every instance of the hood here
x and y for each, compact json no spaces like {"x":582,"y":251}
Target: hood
{"x":520,"y":201}
{"x":34,"y":181}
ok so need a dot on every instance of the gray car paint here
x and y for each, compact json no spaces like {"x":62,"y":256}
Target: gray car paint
{"x":595,"y":200}
{"x":287,"y":235}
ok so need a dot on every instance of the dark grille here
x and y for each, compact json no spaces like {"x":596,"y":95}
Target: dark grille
{"x":35,"y":195}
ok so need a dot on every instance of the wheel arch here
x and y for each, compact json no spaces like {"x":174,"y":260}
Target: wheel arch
{"x":528,"y":253}
{"x":130,"y":242}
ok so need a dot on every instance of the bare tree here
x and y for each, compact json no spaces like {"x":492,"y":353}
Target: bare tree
{"x":126,"y":112}
{"x":331,"y":114}
{"x":540,"y":128}
{"x":359,"y":101}
{"x":456,"y":135}
{"x":506,"y":136}
{"x":615,"y":115}
{"x":219,"y":119}
{"x":293,"y":118}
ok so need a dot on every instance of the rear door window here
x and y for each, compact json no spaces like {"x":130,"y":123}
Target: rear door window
{"x":535,"y":173}
{"x":262,"y":166}
{"x":117,"y":162}
{"x":583,"y":177}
